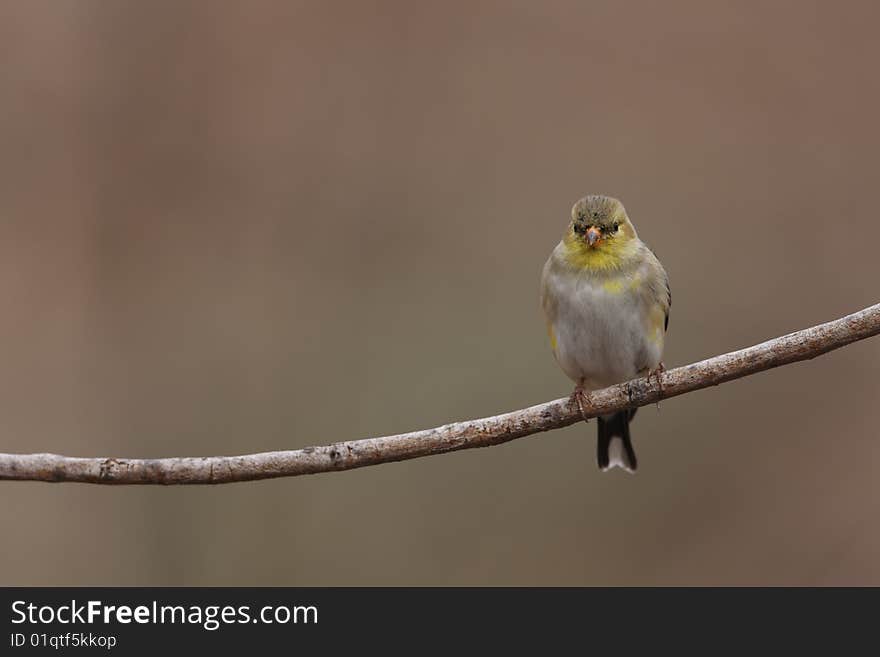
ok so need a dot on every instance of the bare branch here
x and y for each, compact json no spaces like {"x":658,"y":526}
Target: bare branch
{"x":802,"y":345}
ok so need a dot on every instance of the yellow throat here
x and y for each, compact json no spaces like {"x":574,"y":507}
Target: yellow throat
{"x":609,"y":254}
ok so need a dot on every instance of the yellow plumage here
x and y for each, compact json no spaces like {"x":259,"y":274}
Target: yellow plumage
{"x":612,"y":256}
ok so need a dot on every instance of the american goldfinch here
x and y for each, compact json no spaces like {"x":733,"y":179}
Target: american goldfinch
{"x":606,"y":299}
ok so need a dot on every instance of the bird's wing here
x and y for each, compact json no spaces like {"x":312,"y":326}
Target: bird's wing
{"x":668,"y":301}
{"x":548,"y":302}
{"x":659,"y":291}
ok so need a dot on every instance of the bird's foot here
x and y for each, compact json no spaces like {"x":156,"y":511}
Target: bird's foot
{"x":581,"y":397}
{"x":657,"y":373}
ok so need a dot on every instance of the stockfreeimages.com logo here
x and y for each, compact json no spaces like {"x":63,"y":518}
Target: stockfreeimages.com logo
{"x":210,"y":617}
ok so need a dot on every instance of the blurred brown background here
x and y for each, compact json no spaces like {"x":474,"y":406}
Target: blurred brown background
{"x":235,"y":227}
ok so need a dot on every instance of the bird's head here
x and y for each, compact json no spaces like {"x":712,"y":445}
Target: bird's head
{"x":599,"y":222}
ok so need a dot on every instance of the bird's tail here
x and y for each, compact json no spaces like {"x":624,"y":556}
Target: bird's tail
{"x":615,"y":446}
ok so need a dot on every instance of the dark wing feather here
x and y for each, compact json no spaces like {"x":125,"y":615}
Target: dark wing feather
{"x":668,"y":304}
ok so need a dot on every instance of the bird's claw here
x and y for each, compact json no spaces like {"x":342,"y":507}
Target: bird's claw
{"x":579,"y":396}
{"x":657,"y":373}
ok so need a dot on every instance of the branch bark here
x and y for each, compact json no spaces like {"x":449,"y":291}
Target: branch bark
{"x":801,"y":345}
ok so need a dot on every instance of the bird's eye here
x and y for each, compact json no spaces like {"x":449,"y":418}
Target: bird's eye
{"x":614,"y":227}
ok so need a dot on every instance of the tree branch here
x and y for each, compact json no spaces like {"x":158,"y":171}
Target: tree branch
{"x":801,"y":345}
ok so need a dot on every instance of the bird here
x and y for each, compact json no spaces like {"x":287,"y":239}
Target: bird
{"x":606,"y":299}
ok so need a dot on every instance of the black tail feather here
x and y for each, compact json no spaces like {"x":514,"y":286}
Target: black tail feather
{"x":616,"y":426}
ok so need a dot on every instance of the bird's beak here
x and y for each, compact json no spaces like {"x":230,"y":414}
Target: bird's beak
{"x":594,"y":236}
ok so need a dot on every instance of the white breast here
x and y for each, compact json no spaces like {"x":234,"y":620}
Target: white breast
{"x":601,"y":332}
